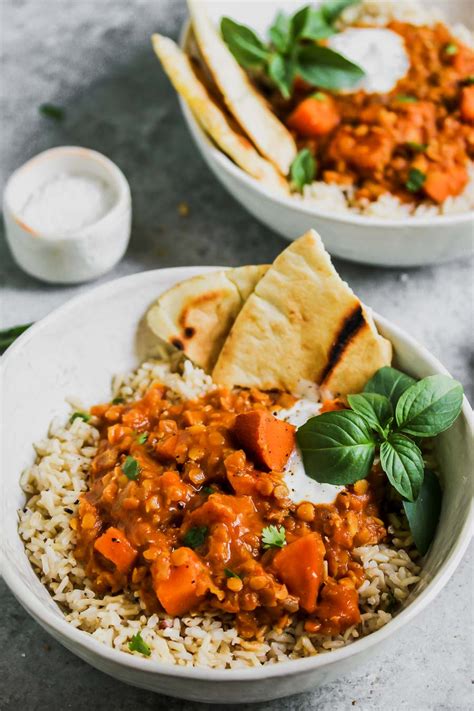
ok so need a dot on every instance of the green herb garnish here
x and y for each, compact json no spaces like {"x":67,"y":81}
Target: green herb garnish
{"x":389,"y":418}
{"x":403,"y":99}
{"x":418,"y":147}
{"x":292,"y":50}
{"x":138,"y":644}
{"x":9,"y":335}
{"x":230,"y":574}
{"x":423,"y":514}
{"x":80,"y":415}
{"x":118,"y":400}
{"x":303,"y":169}
{"x":52,"y":111}
{"x":131,"y":468}
{"x":451,"y":49}
{"x":208,"y":490}
{"x":195,"y":537}
{"x":468,"y":80}
{"x":416,"y":180}
{"x":142,"y":437}
{"x":273,"y":537}
{"x":319,"y":96}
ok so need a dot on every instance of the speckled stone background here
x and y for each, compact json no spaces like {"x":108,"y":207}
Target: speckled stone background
{"x":93,"y":57}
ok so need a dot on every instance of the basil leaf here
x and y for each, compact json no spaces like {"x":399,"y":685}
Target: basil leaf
{"x":323,"y":67}
{"x":337,"y":447}
{"x":280,"y":70}
{"x":423,"y":514}
{"x":376,"y":409}
{"x":310,"y":23}
{"x":280,"y":33}
{"x":430,"y":406}
{"x":334,"y":8}
{"x":303,"y":169}
{"x":244,"y":44}
{"x":9,"y":335}
{"x":389,"y":382}
{"x":402,"y":462}
{"x":416,"y":180}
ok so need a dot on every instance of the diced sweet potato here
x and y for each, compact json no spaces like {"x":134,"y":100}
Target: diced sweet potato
{"x":264,"y":438}
{"x":186,"y":585}
{"x":115,"y":546}
{"x":338,"y":607}
{"x":467,"y":103}
{"x":315,"y":116}
{"x":441,"y":182}
{"x":301,"y":567}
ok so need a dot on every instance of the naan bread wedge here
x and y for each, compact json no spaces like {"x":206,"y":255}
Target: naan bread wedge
{"x":268,"y":133}
{"x":196,"y":315}
{"x":184,"y":79}
{"x":302,"y":322}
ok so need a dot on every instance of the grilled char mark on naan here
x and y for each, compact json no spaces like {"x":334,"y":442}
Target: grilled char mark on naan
{"x":302,"y":322}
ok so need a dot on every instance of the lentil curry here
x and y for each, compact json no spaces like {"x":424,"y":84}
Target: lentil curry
{"x":414,"y":142}
{"x":187,"y":507}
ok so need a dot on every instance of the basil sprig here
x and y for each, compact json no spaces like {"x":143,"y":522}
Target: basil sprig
{"x":303,"y":169}
{"x":292,"y":50}
{"x":389,"y":418}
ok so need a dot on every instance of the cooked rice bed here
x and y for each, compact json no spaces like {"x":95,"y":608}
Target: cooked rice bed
{"x":54,"y":484}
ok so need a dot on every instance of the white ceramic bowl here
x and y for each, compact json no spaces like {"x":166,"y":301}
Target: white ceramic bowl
{"x":386,"y":242}
{"x":90,"y":251}
{"x":75,"y":350}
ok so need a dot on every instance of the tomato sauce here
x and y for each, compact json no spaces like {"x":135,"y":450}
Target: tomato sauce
{"x":176,"y":511}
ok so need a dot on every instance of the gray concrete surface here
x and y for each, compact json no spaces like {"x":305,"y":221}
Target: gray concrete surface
{"x":94,"y":59}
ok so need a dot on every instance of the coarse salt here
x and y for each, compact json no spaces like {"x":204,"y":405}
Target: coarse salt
{"x":67,"y":203}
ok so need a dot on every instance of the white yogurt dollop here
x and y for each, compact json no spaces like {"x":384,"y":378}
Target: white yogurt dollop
{"x":379,"y":52}
{"x":301,"y":486}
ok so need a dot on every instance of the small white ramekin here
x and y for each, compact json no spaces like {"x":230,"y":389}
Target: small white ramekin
{"x":89,"y":252}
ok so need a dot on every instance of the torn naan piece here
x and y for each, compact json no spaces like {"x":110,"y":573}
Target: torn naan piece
{"x":252,"y":112}
{"x":302,"y":322}
{"x":196,"y":315}
{"x":214,"y":122}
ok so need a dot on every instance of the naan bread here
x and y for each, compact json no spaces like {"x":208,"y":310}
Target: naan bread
{"x":180,"y":71}
{"x":267,"y":132}
{"x":302,"y":322}
{"x":196,"y":315}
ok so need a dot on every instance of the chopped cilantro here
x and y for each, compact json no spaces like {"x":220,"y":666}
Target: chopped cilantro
{"x":195,"y":537}
{"x":418,"y":147}
{"x":319,"y":96}
{"x":451,"y":49}
{"x":415,"y":180}
{"x":468,"y":81}
{"x":52,"y":111}
{"x":406,"y":99}
{"x":80,"y":415}
{"x":137,"y":644}
{"x":230,"y":574}
{"x":142,"y":437}
{"x":208,"y":490}
{"x":273,"y":537}
{"x":131,"y":468}
{"x":118,"y":400}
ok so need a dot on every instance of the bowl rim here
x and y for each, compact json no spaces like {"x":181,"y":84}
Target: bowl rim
{"x":116,"y":177}
{"x":292,"y":203}
{"x":90,"y":646}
